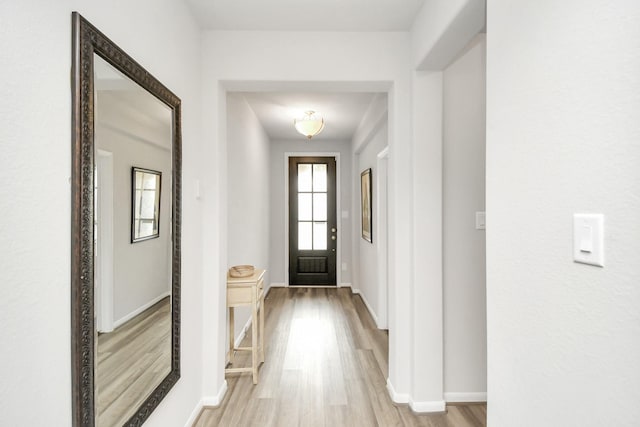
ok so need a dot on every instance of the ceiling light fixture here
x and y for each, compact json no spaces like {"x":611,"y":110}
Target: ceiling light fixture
{"x":309,"y":125}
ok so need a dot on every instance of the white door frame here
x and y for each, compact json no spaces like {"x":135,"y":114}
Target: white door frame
{"x":382,"y":222}
{"x":104,"y":247}
{"x":287,"y":155}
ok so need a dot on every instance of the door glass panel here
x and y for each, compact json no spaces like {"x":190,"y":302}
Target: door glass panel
{"x":305,"y":236}
{"x":320,"y":235}
{"x":320,"y":177}
{"x":304,"y":207}
{"x":320,"y":206}
{"x":304,"y":177}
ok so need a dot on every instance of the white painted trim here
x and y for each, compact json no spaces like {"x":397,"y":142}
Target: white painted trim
{"x":206,"y":402}
{"x":366,"y":303}
{"x":243,"y":333}
{"x":215,"y":401}
{"x":104,"y":259}
{"x":382,"y":230}
{"x":428,"y":406}
{"x":278,"y":285}
{"x":395,"y":396}
{"x":384,"y":154}
{"x":288,"y":154}
{"x":464,"y":397}
{"x":344,"y":285}
{"x":195,"y":414}
{"x":139,"y":310}
{"x":419,"y":407}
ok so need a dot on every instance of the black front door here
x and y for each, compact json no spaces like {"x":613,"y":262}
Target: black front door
{"x":312,"y":221}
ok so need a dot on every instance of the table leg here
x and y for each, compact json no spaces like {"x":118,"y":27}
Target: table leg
{"x":231,"y":335}
{"x":262,"y":328}
{"x":254,"y":341}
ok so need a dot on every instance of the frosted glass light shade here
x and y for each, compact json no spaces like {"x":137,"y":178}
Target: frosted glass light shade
{"x":309,"y":125}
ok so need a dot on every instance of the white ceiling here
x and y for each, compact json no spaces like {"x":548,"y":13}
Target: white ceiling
{"x":342,"y":112}
{"x":306,"y":15}
{"x":276,"y":110}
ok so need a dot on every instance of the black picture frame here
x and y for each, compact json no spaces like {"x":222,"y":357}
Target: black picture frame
{"x":137,"y":218}
{"x":366,"y":205}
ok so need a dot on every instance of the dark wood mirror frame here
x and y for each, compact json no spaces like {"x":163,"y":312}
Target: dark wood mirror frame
{"x":88,"y":40}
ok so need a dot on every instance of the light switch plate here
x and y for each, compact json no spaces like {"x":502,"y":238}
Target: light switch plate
{"x":588,"y":239}
{"x":481,"y":220}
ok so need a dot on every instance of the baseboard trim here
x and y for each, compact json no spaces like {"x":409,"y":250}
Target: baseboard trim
{"x":215,"y":401}
{"x":139,"y":310}
{"x":465,"y":397}
{"x":396,"y":397}
{"x":428,"y":406}
{"x":366,"y":303}
{"x":206,"y":402}
{"x":278,"y":285}
{"x":243,"y":333}
{"x":432,"y":406}
{"x":195,"y":414}
{"x":344,"y":285}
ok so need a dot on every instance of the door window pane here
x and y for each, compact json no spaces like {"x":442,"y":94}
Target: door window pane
{"x":304,"y":207}
{"x":304,"y":177}
{"x":320,"y":235}
{"x":320,"y":206}
{"x":320,"y":177}
{"x":305,"y":236}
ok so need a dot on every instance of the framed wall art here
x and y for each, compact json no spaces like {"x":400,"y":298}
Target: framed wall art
{"x":366,"y":205}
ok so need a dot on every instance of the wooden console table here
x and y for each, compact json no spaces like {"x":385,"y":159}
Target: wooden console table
{"x":247,"y":291}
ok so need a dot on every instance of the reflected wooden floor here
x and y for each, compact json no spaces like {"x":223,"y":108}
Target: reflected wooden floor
{"x":132,"y":360}
{"x":325,"y":365}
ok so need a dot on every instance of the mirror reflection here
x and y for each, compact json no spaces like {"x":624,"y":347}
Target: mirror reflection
{"x":133,"y":146}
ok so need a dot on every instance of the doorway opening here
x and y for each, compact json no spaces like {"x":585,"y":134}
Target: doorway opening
{"x":312,"y":221}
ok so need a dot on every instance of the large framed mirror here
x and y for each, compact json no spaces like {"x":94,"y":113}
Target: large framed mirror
{"x":125,"y":297}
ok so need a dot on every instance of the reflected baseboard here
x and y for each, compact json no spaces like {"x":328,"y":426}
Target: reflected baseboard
{"x":139,"y":310}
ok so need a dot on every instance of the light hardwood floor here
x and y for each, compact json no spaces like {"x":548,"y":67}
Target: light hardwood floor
{"x":132,"y":360}
{"x":325,"y":365}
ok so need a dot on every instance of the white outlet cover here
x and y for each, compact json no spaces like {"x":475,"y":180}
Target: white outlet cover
{"x":588,"y":239}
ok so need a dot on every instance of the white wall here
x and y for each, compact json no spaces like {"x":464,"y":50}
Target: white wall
{"x":278,"y":224}
{"x":141,"y":271}
{"x":465,"y":330}
{"x":563,"y":126}
{"x":36,"y":162}
{"x":249,"y":193}
{"x":426,"y":304}
{"x":35,"y":159}
{"x":368,"y":283}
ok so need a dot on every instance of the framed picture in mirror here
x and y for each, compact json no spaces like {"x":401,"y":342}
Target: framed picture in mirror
{"x":145,"y":204}
{"x":365,"y":202}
